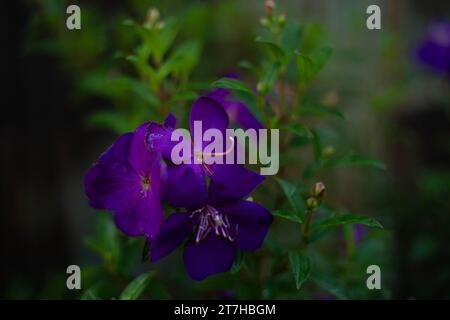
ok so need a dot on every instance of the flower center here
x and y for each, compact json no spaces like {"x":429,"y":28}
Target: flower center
{"x":211,"y":219}
{"x":145,"y":182}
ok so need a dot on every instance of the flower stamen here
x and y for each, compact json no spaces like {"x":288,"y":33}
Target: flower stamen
{"x":211,"y":219}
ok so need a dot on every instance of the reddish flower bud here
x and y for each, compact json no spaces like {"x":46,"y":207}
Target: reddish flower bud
{"x":318,"y":190}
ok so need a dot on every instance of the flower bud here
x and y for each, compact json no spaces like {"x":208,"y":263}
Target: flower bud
{"x":260,"y":87}
{"x":328,"y":152}
{"x":264,"y":22}
{"x":152,"y":18}
{"x":312,"y":203}
{"x":269,"y":6}
{"x":282,"y":19}
{"x":318,"y":190}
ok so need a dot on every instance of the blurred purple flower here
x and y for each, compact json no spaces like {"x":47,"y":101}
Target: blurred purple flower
{"x":220,"y":222}
{"x":235,"y":109}
{"x":434,"y":50}
{"x":128,"y":179}
{"x":359,"y":232}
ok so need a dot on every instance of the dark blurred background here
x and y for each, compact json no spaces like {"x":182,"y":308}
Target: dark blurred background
{"x":396,"y":108}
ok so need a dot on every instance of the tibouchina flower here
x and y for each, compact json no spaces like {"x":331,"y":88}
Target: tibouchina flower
{"x":186,"y":182}
{"x":236,"y":110}
{"x":217,"y":225}
{"x":128,"y":179}
{"x":435,"y":48}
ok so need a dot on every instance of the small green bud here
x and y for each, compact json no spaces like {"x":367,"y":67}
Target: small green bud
{"x":160,"y":25}
{"x":264,"y":22}
{"x":260,"y":87}
{"x":152,"y":18}
{"x":312,"y":203}
{"x":282,"y":19}
{"x":328,"y":152}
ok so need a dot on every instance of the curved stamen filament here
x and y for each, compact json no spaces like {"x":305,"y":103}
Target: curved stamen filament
{"x":211,"y":219}
{"x":199,"y":154}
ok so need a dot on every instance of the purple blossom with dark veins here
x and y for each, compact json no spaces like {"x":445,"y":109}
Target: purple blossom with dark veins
{"x":128,"y":179}
{"x":236,"y":110}
{"x":217,"y":225}
{"x":434,"y":50}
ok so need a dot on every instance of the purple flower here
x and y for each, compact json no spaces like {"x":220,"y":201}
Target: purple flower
{"x":128,"y":179}
{"x":186,"y":183}
{"x":218,"y":224}
{"x":235,"y":109}
{"x":434,"y":50}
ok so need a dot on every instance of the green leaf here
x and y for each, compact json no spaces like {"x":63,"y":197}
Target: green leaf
{"x":276,"y":52}
{"x":135,"y":287}
{"x":232,"y":84}
{"x":291,"y":37}
{"x":348,"y":218}
{"x":238,"y":262}
{"x":299,"y":130}
{"x":293,"y":195}
{"x":321,"y":110}
{"x":106,"y":241}
{"x":310,"y":65}
{"x":288,"y":214}
{"x":301,"y":267}
{"x":268,"y":78}
{"x":330,"y":284}
{"x":355,"y":160}
{"x":89,"y":294}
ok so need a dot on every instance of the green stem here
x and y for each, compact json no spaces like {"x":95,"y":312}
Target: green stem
{"x":306,"y":226}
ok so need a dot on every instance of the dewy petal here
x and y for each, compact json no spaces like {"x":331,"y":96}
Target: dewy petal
{"x":210,"y":256}
{"x":186,"y":186}
{"x":174,"y":230}
{"x":232,"y":182}
{"x":210,"y":113}
{"x":251,"y":220}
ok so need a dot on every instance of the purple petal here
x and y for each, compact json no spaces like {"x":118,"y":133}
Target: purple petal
{"x":252,"y":221}
{"x":118,"y":151}
{"x":159,"y":139}
{"x":139,"y":155}
{"x":232,"y":182}
{"x":238,"y":112}
{"x":186,"y":186}
{"x":116,"y":188}
{"x":174,"y":230}
{"x":108,"y":186}
{"x":143,"y":215}
{"x":210,"y":113}
{"x":210,"y":256}
{"x":170,"y":121}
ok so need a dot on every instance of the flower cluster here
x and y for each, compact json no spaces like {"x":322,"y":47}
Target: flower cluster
{"x":135,"y":176}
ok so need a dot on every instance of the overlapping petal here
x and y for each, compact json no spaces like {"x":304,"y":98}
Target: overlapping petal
{"x":253,"y":221}
{"x":173,"y":232}
{"x":210,"y":256}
